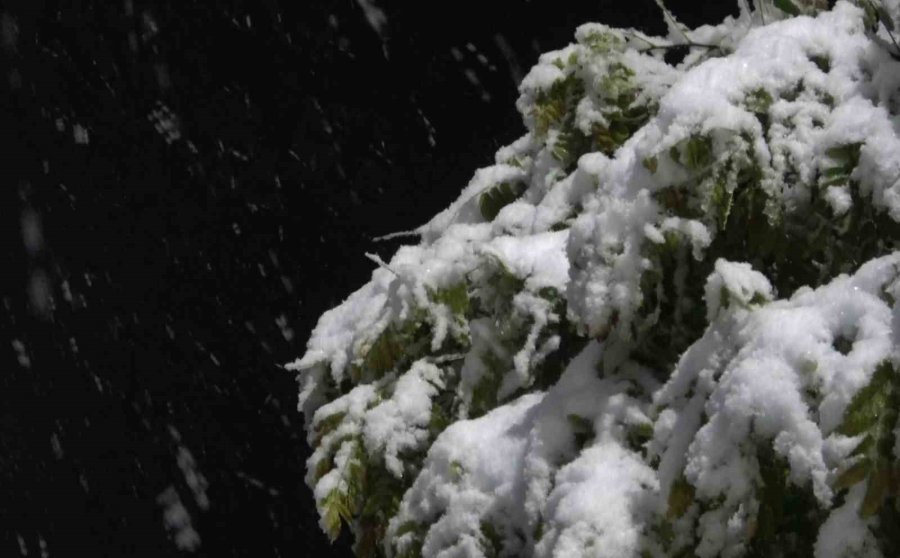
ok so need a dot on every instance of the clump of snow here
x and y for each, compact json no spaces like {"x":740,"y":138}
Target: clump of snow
{"x":735,"y":282}
{"x":607,"y":526}
{"x":468,"y":477}
{"x":845,"y":533}
{"x":401,"y":422}
{"x":773,"y":375}
{"x":839,"y":198}
{"x":538,"y":376}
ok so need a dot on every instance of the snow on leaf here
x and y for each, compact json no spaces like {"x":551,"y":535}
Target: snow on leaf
{"x":664,"y":323}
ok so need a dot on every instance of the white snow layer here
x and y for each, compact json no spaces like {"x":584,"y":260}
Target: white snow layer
{"x":750,"y":377}
{"x":592,"y":465}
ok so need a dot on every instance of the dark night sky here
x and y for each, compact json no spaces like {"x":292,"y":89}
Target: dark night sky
{"x":188,"y":186}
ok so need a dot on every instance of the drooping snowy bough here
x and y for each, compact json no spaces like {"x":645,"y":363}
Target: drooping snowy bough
{"x":665,"y":323}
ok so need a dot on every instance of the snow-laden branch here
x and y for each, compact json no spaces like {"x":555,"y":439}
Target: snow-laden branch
{"x":663,"y":324}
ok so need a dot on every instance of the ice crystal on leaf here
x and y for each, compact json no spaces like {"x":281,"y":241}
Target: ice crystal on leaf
{"x":664,"y":323}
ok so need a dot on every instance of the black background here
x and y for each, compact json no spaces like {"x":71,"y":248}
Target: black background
{"x":178,"y":275}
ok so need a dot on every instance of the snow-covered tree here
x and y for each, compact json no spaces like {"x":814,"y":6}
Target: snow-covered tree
{"x":664,"y":323}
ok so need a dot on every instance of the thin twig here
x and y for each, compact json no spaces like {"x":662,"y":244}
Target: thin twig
{"x":667,"y":15}
{"x":395,"y":235}
{"x":377,"y":259}
{"x":640,"y":36}
{"x":654,"y":46}
{"x":684,"y":45}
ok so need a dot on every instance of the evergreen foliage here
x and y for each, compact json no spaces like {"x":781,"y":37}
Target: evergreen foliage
{"x":692,"y":307}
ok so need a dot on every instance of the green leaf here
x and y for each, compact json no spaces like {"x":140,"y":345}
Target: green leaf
{"x":554,"y":104}
{"x":854,"y":474}
{"x":438,"y":420}
{"x":639,"y":435}
{"x":456,"y":470}
{"x":877,"y":490}
{"x":550,"y":294}
{"x":698,"y":152}
{"x":407,"y":527}
{"x":681,"y":496}
{"x":836,"y":181}
{"x":484,"y":394}
{"x":677,"y":202}
{"x":675,"y":154}
{"x":336,"y":511}
{"x":328,"y":424}
{"x":455,"y":297}
{"x":822,"y":62}
{"x":789,"y":516}
{"x":771,"y":494}
{"x":326,"y":464}
{"x":616,"y":84}
{"x":836,"y":172}
{"x":384,"y":353}
{"x":398,"y":345}
{"x":787,"y":7}
{"x":650,"y":163}
{"x":582,"y":430}
{"x":602,"y":42}
{"x":869,"y":403}
{"x":412,"y":548}
{"x":842,"y":344}
{"x":498,"y":197}
{"x":492,"y":542}
{"x":323,"y":467}
{"x":873,"y":413}
{"x":758,"y":101}
{"x":721,"y":200}
{"x":505,"y":283}
{"x":846,"y":155}
{"x":569,"y":145}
